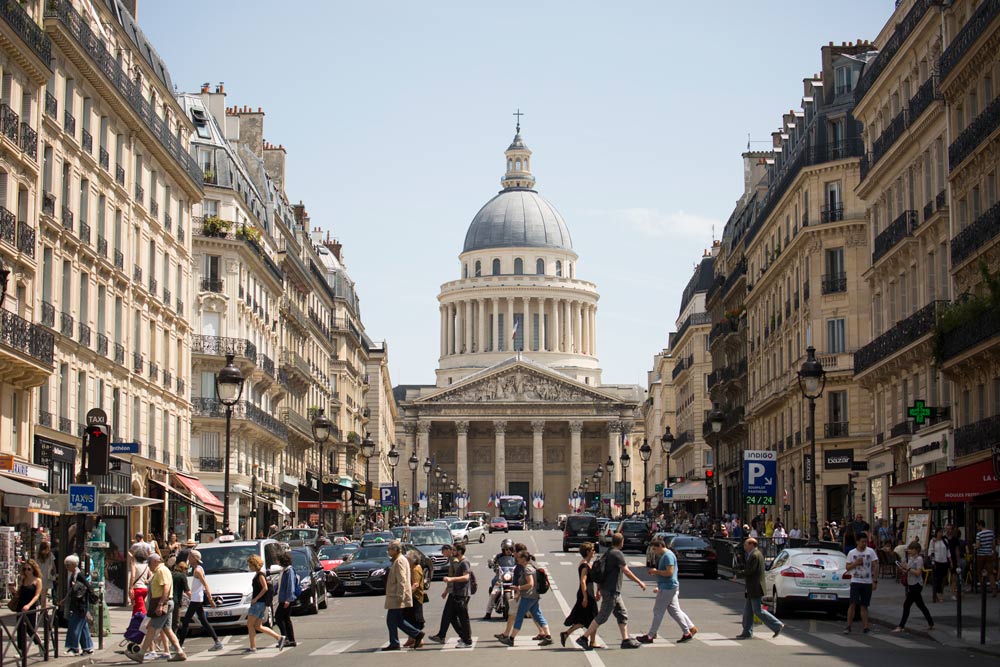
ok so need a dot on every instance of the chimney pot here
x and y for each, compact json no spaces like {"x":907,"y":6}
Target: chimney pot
{"x":204,"y":87}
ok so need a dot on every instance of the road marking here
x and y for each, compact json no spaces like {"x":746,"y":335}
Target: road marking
{"x":263,"y":653}
{"x":899,"y":641}
{"x":663,"y":643}
{"x":453,"y":645}
{"x":840,"y":640}
{"x":593,"y":659}
{"x":784,"y":640}
{"x":565,"y":562}
{"x":637,"y":563}
{"x":333,"y":648}
{"x":715,"y":639}
{"x":204,"y":656}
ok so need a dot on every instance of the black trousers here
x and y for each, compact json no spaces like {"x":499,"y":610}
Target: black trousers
{"x":195,"y":608}
{"x":461,"y":611}
{"x":914,"y":597}
{"x":940,"y":574}
{"x":449,"y":617}
{"x":283,"y":619}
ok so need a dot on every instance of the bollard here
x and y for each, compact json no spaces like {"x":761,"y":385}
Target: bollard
{"x":982,"y":621}
{"x":46,"y":632}
{"x":958,"y":603}
{"x":100,"y":620}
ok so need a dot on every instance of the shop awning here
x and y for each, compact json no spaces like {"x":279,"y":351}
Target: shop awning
{"x":281,"y":507}
{"x":201,"y":494}
{"x":908,"y":494}
{"x":694,"y":489}
{"x":962,"y":484}
{"x":58,"y":503}
{"x":126,"y":500}
{"x":8,"y":485}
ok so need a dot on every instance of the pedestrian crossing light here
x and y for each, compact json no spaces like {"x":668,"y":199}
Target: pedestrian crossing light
{"x":709,"y":474}
{"x":98,"y":449}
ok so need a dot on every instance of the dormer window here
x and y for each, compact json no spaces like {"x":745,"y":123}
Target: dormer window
{"x":843,"y":80}
{"x":200,"y":119}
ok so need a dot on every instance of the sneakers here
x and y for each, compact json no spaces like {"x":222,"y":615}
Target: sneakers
{"x":71,"y":651}
{"x":847,"y":630}
{"x":462,"y":644}
{"x":584,"y":643}
{"x":645,"y":639}
{"x":290,"y":644}
{"x":630,"y":643}
{"x":436,"y":639}
{"x":545,"y":641}
{"x":217,"y":646}
{"x":506,"y":641}
{"x":251,"y":650}
{"x":281,"y":643}
{"x":178,"y":657}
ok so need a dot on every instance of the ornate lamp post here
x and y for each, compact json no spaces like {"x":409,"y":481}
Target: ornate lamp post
{"x":666,"y":443}
{"x":228,"y":390}
{"x":414,"y":463}
{"x":367,"y":451}
{"x":437,"y":485}
{"x":644,"y":453}
{"x":598,"y":476}
{"x":812,"y":382}
{"x":427,"y":471}
{"x":393,"y":458}
{"x":609,"y":467}
{"x":321,"y":427}
{"x":716,"y":419}
{"x":626,"y":461}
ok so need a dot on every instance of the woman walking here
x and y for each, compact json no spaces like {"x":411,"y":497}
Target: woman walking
{"x":913,"y":569}
{"x":139,"y":578}
{"x":527,"y":602}
{"x":29,"y":592}
{"x":415,"y":615}
{"x":77,"y":631}
{"x":260,"y":601}
{"x":399,"y":596}
{"x":200,"y":595}
{"x":47,"y":564}
{"x":179,"y":574}
{"x":585,"y":609}
{"x":940,"y":557}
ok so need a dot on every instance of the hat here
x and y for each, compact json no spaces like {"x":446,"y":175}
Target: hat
{"x":191,"y":543}
{"x":833,"y":523}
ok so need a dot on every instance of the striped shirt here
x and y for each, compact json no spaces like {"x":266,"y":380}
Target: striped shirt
{"x":985,"y":542}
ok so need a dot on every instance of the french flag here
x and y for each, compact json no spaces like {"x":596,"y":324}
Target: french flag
{"x":492,"y":500}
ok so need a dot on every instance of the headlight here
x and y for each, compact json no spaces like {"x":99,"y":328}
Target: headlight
{"x":247,"y":597}
{"x":304,"y":582}
{"x":381,"y":572}
{"x":507,"y":576}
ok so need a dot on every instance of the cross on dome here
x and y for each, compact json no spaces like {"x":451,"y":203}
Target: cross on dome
{"x":518,"y":173}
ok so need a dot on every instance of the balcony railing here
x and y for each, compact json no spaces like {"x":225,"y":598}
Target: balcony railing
{"x":69,"y":123}
{"x":211,"y":285}
{"x":153,"y":285}
{"x":831,"y":213}
{"x":85,"y":232}
{"x":836,"y":429}
{"x":66,"y":323}
{"x":211,"y":464}
{"x":892,"y":45}
{"x":906,"y":332}
{"x":26,"y":28}
{"x":48,"y":204}
{"x":266,"y":364}
{"x":9,"y":122}
{"x":48,"y":314}
{"x":297,"y":421}
{"x":179,"y":306}
{"x":102,"y":246}
{"x":834,"y":282}
{"x":107,"y":63}
{"x":901,"y":429}
{"x":902,"y":227}
{"x":180,"y":386}
{"x":977,"y":436}
{"x":120,"y":175}
{"x":51,"y":105}
{"x":681,"y":441}
{"x":292,"y":358}
{"x":239,"y":233}
{"x":968,"y":35}
{"x":85,"y":336}
{"x":694,"y":319}
{"x":102,"y":345}
{"x":140,"y":192}
{"x":168,"y":379}
{"x":974,"y":237}
{"x":87,"y":141}
{"x":154,"y":371}
{"x":31,"y":339}
{"x":218,"y":345}
{"x":137,"y":274}
{"x":104,"y":159}
{"x":137,"y":362}
{"x":119,"y":354}
{"x":154,"y":207}
{"x":8,"y":226}
{"x":67,"y":218}
{"x":25,"y":239}
{"x":243,"y":410}
{"x":976,"y":133}
{"x":66,"y":425}
{"x":166,"y":296}
{"x":981,"y":329}
{"x":29,"y":141}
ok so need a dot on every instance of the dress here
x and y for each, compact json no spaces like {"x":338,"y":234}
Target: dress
{"x":581,"y":615}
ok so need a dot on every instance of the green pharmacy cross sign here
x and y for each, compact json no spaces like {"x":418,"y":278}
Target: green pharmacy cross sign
{"x":919,"y":412}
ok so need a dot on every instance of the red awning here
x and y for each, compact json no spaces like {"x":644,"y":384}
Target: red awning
{"x":327,"y":504}
{"x":962,"y":484}
{"x":206,"y":497}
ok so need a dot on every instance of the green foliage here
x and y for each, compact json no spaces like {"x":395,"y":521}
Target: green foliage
{"x":213,"y":225}
{"x":967,"y":310}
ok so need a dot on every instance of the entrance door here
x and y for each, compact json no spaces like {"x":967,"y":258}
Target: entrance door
{"x":522,"y":489}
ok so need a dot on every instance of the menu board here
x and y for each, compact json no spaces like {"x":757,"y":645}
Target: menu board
{"x":918,"y":528}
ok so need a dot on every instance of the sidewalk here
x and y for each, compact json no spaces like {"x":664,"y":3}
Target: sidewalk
{"x":120,"y":617}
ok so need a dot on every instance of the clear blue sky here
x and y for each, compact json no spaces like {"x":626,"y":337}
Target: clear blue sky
{"x":395,"y":116}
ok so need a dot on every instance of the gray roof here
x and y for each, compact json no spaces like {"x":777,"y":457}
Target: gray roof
{"x":517,"y":218}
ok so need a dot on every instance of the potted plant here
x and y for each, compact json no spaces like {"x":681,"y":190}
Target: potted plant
{"x":353,"y":437}
{"x":213,"y":225}
{"x":248,"y":233}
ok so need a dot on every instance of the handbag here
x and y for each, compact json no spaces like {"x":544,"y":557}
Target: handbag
{"x":14,"y":604}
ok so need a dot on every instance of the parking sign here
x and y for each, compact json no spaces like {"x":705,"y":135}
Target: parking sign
{"x":760,"y":477}
{"x":388,"y":497}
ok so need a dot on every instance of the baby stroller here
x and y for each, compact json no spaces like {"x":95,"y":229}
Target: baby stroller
{"x":134,"y":634}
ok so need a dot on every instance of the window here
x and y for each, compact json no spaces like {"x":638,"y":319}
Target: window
{"x":200,"y":119}
{"x":465,"y":270}
{"x":559,"y":268}
{"x":518,"y":266}
{"x":540,"y":266}
{"x":479,"y":268}
{"x":496,"y":267}
{"x":837,"y":407}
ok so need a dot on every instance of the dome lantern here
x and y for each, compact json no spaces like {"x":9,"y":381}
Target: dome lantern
{"x":518,"y":174}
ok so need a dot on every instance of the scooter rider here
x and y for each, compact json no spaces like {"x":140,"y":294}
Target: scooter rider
{"x":505,"y":559}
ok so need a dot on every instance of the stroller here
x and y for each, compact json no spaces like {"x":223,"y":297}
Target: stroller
{"x":134,"y":634}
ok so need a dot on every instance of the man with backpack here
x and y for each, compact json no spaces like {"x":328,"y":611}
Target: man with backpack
{"x":459,"y":580}
{"x":607,"y":572}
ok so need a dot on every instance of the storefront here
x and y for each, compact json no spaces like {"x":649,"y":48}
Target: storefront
{"x":929,"y":453}
{"x":881,"y":475}
{"x":208,"y":509}
{"x":950,"y":494}
{"x":20,"y":480}
{"x":334,"y":496}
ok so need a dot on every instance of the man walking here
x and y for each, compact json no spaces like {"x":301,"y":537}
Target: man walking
{"x":862,"y":563}
{"x":610,"y":595}
{"x":161,"y":605}
{"x":448,"y":616}
{"x":459,"y":597}
{"x":667,"y":595}
{"x":986,"y":555}
{"x":753,"y":573}
{"x":398,"y":596}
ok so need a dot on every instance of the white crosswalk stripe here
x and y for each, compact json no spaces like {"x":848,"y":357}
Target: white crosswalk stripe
{"x":899,"y":641}
{"x":452,"y":645}
{"x":840,"y":640}
{"x":783,"y":640}
{"x":715,"y":639}
{"x":565,"y":562}
{"x":335,"y":647}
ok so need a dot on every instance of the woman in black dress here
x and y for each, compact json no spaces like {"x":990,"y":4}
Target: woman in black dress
{"x":585,"y":609}
{"x":28,"y":593}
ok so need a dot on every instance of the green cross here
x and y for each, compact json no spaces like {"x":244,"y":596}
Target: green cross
{"x":919,"y":412}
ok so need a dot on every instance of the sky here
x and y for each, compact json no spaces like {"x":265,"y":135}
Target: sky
{"x":395,"y":116}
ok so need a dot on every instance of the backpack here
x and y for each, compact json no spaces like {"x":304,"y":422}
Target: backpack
{"x":542,"y":578}
{"x":473,"y":584}
{"x":598,"y":571}
{"x":297,"y":590}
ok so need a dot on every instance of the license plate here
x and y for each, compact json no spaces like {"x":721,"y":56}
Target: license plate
{"x":212,"y":613}
{"x":582,"y":534}
{"x":352,"y":583}
{"x":822,"y":596}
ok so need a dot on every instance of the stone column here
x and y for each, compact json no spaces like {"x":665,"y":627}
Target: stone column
{"x":462,"y":454}
{"x":555,"y":326}
{"x":593,"y":330}
{"x":423,"y":449}
{"x":496,"y":324}
{"x":567,"y":326}
{"x":585,"y":318}
{"x":575,"y":454}
{"x":499,"y":457}
{"x":508,"y":333}
{"x":542,"y":343}
{"x":481,"y":330}
{"x":468,"y":325}
{"x":614,"y":435}
{"x":410,"y":429}
{"x":537,"y":464}
{"x":578,"y":326}
{"x":444,"y":330}
{"x":451,"y":329}
{"x":527,"y":323}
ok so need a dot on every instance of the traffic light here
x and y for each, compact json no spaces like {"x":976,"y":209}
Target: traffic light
{"x":709,"y":474}
{"x":98,"y":449}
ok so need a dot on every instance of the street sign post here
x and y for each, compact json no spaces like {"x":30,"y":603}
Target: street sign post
{"x":760,"y":477}
{"x":82,"y":499}
{"x":124,"y":447}
{"x":668,"y":494}
{"x":388,"y":496}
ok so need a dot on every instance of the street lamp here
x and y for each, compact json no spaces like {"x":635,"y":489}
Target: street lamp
{"x":427,"y":471}
{"x":609,"y":467}
{"x":451,"y":486}
{"x":716,"y":420}
{"x":626,"y":461}
{"x":393,"y":458}
{"x":598,"y":476}
{"x":321,"y":427}
{"x":367,"y":451}
{"x":666,"y":443}
{"x":644,"y":453}
{"x":228,"y":390}
{"x":253,"y":504}
{"x":437,"y":485}
{"x":812,"y":382}
{"x":414,"y":463}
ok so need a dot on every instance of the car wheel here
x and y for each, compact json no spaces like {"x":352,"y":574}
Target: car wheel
{"x":777,"y":608}
{"x":323,"y":603}
{"x":482,"y":537}
{"x":314,"y":605}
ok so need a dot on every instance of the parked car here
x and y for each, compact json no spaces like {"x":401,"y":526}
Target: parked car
{"x":297,"y":537}
{"x":367,"y":569}
{"x":499,"y":523}
{"x":231,"y":583}
{"x":808,"y":578}
{"x":695,"y":556}
{"x":610,"y":528}
{"x":468,"y":531}
{"x":651,"y":560}
{"x":580,"y":528}
{"x":372,"y":538}
{"x":430,"y":540}
{"x":333,"y":555}
{"x":312,"y":579}
{"x":636,"y":534}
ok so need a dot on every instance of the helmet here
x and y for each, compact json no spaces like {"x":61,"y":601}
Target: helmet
{"x":507,"y":544}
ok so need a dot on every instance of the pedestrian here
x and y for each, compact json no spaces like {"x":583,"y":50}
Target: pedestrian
{"x":957,"y":549}
{"x":667,"y":595}
{"x":75,"y":610}
{"x":753,"y":575}
{"x":139,"y":577}
{"x":914,"y":569}
{"x":173,"y":545}
{"x":940,"y":558}
{"x":448,"y":613}
{"x":47,"y":564}
{"x":780,"y":536}
{"x":201,"y":594}
{"x":260,"y":600}
{"x":528,"y":601}
{"x":986,"y":555}
{"x":884,"y":533}
{"x":860,"y":525}
{"x":29,"y":594}
{"x":179,"y":575}
{"x":609,"y":594}
{"x":585,"y":609}
{"x":848,"y":540}
{"x":160,"y":608}
{"x":795,"y":533}
{"x":862,"y":564}
{"x":287,"y":594}
{"x":414,"y":615}
{"x":399,"y":596}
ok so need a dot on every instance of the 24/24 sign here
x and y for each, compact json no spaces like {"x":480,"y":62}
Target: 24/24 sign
{"x":760,"y":477}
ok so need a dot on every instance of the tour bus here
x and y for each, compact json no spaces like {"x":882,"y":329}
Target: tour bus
{"x":514,"y":509}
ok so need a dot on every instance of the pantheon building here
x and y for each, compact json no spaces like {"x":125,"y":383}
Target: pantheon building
{"x":518,"y":405}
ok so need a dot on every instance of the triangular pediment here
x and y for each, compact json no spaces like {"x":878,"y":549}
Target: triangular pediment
{"x":519,"y":381}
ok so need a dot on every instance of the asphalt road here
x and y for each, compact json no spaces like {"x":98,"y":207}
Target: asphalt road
{"x":352,"y":630}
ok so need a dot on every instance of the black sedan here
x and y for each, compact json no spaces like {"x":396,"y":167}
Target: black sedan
{"x":366,"y":569}
{"x":636,"y":534}
{"x":312,"y":579}
{"x":429,"y":540}
{"x":695,"y":556}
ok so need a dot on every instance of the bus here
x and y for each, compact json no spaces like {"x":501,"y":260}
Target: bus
{"x":514,"y":509}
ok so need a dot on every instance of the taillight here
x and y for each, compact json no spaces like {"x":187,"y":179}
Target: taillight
{"x":565,"y":533}
{"x":793,"y":572}
{"x":847,"y":575}
{"x":712,"y":556}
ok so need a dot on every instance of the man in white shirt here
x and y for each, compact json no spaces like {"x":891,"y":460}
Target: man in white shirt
{"x":862,"y":564}
{"x":795,"y":533}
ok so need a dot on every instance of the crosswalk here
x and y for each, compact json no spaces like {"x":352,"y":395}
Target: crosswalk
{"x":236,"y":646}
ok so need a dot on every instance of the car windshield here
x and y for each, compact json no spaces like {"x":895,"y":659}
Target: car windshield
{"x":307,"y":534}
{"x":433,"y":536}
{"x":371,"y":552}
{"x":301,"y":562}
{"x":336,"y":551}
{"x":683,"y":542}
{"x":459,"y":525}
{"x":498,"y":519}
{"x":220,"y":560}
{"x":612,"y":526}
{"x":371,"y":537}
{"x":820,"y":561}
{"x":580,"y":522}
{"x":633,"y":527}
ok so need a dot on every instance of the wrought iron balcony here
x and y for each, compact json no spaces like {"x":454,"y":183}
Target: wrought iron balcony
{"x":978,"y":331}
{"x":297,"y":421}
{"x":905,"y":333}
{"x":87,"y":141}
{"x":180,"y":232}
{"x":19,"y":334}
{"x":836,"y":430}
{"x":167,"y":221}
{"x":48,"y":314}
{"x":984,"y":125}
{"x":977,"y":235}
{"x":8,"y":226}
{"x":119,"y":354}
{"x":977,"y":436}
{"x":179,"y":306}
{"x":84,"y":337}
{"x":220,"y":346}
{"x":892,"y":45}
{"x":211,"y":464}
{"x":51,"y":105}
{"x":834,"y":282}
{"x":892,"y":132}
{"x":293,"y":360}
{"x":102,"y":345}
{"x":85,"y":232}
{"x":168,"y":379}
{"x":66,"y":323}
{"x":140,"y":193}
{"x":66,"y":425}
{"x":103,"y":158}
{"x":154,"y":207}
{"x":180,"y":386}
{"x":48,"y":204}
{"x":166,"y":296}
{"x":968,"y":35}
{"x":29,"y":141}
{"x":9,"y":123}
{"x":120,"y":175}
{"x":137,"y":274}
{"x":30,"y":33}
{"x":831,"y":213}
{"x":243,"y":410}
{"x":266,"y":364}
{"x":211,"y":285}
{"x":902,"y":227}
{"x":69,"y":124}
{"x":154,"y":371}
{"x":67,"y":218}
{"x":926,"y":94}
{"x":45,"y":418}
{"x":137,"y":362}
{"x":153,"y":285}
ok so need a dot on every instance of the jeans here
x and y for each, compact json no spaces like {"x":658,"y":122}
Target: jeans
{"x":395,"y":622}
{"x":199,"y":609}
{"x":78,"y":632}
{"x":668,"y":600}
{"x":523,"y":607}
{"x":914,"y":596}
{"x":752,"y":608}
{"x":283,"y":619}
